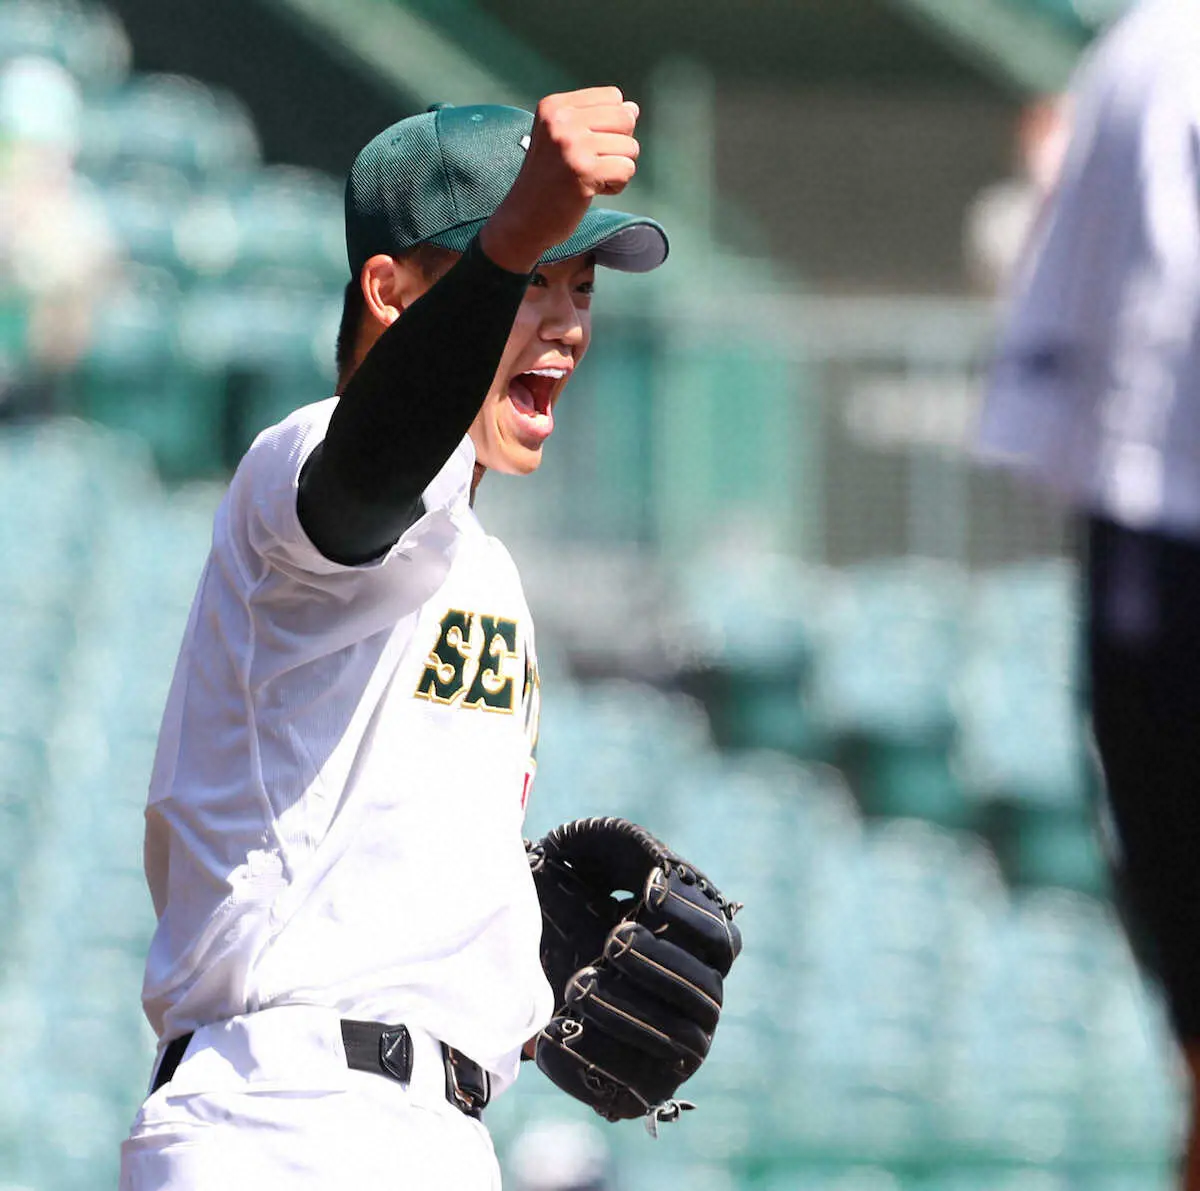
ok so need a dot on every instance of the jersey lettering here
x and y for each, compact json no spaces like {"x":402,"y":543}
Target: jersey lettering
{"x":475,"y":660}
{"x":490,"y":688}
{"x":442,"y":678}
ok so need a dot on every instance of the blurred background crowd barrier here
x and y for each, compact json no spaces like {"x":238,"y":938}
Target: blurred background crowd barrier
{"x":787,"y":622}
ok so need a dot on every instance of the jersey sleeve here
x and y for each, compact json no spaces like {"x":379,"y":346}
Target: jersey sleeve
{"x":1100,"y":323}
{"x":262,"y":500}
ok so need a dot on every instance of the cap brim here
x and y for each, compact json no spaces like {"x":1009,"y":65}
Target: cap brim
{"x":627,"y":243}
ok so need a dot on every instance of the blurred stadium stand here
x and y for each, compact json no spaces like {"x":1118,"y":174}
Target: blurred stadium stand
{"x":786,"y":623}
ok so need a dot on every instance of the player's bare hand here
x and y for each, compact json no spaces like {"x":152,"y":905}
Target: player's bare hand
{"x":582,"y":145}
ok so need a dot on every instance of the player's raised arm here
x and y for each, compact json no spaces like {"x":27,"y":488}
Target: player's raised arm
{"x":422,"y":382}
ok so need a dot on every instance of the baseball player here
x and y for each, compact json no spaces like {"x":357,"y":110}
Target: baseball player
{"x":1096,"y":391}
{"x":346,"y":963}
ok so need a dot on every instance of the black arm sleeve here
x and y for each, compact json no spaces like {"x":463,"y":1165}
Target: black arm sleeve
{"x":406,"y":409}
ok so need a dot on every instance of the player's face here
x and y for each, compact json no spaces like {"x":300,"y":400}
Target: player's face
{"x":548,"y":339}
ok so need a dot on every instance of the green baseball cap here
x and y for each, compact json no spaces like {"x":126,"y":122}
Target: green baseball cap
{"x":436,"y":178}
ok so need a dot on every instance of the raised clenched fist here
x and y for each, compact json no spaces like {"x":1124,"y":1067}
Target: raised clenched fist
{"x":582,"y":145}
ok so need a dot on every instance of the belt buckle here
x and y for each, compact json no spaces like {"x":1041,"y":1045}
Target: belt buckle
{"x":471,"y":1100}
{"x":395,"y":1053}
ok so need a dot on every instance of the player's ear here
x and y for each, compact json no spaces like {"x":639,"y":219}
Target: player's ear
{"x":390,"y":285}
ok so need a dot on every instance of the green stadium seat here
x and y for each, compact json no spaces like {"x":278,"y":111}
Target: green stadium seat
{"x":14,"y":348}
{"x":882,"y":679}
{"x":27,"y":706}
{"x":907,"y":778}
{"x":133,"y":381}
{"x":853,"y":1177}
{"x":751,"y":623}
{"x":171,"y":122}
{"x":142,"y":214}
{"x":891,"y":644}
{"x":612,"y":750}
{"x":1051,"y":846}
{"x":34,"y":640}
{"x":177,"y":414}
{"x":1152,"y":1176}
{"x":53,"y":503}
{"x":205,"y":234}
{"x":1022,"y":730}
{"x":1135,"y":1109}
{"x":757,"y":806}
{"x":77,"y":1145}
{"x":1023,"y":734}
{"x":658,"y":1164}
{"x":992,"y":1178}
{"x":85,"y":38}
{"x":270,"y":347}
{"x":118,"y":912}
{"x":728,"y":426}
{"x":290,"y":222}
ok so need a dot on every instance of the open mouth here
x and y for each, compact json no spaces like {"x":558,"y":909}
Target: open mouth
{"x":531,"y":394}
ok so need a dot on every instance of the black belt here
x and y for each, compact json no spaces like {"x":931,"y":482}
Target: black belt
{"x":382,"y":1050}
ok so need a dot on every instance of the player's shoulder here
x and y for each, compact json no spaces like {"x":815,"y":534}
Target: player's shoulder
{"x":289,"y":441}
{"x":258,"y":515}
{"x":303,"y":422}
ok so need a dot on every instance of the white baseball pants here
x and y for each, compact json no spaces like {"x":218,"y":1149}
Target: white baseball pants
{"x":266,"y":1101}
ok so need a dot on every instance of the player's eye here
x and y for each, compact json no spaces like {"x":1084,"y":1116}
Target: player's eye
{"x":586,"y":287}
{"x":539,"y":280}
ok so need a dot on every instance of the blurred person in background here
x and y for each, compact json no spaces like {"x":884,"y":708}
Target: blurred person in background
{"x":57,"y":253}
{"x":560,"y":1156}
{"x":1095,"y":391}
{"x":1000,"y":220}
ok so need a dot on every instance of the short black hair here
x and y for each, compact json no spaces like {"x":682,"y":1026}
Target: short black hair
{"x":353,"y":304}
{"x":431,"y":259}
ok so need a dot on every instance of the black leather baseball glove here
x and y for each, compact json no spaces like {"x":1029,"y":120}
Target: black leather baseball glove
{"x":635,"y":943}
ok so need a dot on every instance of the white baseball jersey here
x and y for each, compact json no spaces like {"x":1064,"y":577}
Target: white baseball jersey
{"x":337,"y":799}
{"x":1096,"y":387}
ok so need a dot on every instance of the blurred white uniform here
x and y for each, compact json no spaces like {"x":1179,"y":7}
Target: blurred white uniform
{"x":561,"y":1156}
{"x":334,"y":830}
{"x":1095,"y":389}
